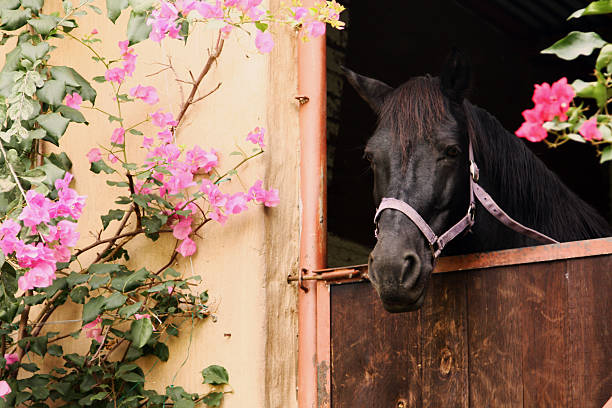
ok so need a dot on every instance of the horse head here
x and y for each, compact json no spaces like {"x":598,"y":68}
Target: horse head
{"x":419,"y":155}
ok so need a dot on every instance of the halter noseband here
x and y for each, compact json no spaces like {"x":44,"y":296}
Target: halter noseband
{"x":436,"y":243}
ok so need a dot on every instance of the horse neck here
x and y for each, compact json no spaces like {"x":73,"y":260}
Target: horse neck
{"x":525,"y":189}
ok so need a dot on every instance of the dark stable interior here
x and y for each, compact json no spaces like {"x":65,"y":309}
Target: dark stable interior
{"x":395,"y":40}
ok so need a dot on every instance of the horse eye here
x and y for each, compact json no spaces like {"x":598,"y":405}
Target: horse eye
{"x":368,"y":156}
{"x":452,"y":151}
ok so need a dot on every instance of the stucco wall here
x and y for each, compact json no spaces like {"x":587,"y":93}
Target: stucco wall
{"x":243,"y":264}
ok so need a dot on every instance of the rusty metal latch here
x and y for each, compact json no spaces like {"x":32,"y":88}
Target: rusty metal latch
{"x":359,"y":272}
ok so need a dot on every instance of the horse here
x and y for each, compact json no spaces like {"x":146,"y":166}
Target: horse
{"x":431,"y":149}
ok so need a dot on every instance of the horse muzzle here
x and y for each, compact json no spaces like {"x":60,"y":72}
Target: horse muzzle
{"x":400,"y":280}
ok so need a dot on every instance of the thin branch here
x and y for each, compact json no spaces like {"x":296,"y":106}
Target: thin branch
{"x":208,"y":94}
{"x":211,"y":59}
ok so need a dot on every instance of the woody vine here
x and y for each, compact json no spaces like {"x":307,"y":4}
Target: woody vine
{"x":127,"y":313}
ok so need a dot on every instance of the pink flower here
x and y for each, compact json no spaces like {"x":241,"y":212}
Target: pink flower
{"x":36,"y":211}
{"x":74,"y":101}
{"x":170,"y":289}
{"x":147,"y":142}
{"x":93,"y":332}
{"x":94,"y":31}
{"x":589,"y":130}
{"x":299,"y":12}
{"x":165,"y":136}
{"x":271,"y":199}
{"x":162,"y":120}
{"x":555,"y":100}
{"x":118,"y":136}
{"x":187,"y":247}
{"x":264,"y":42}
{"x":197,"y":159}
{"x":215,"y":197}
{"x":115,"y":75}
{"x":65,"y":232}
{"x":315,"y":28}
{"x":255,"y":13}
{"x":63,"y":183}
{"x":112,"y":158}
{"x":70,"y":204}
{"x":182,"y":229}
{"x":5,"y":389}
{"x":163,"y":21}
{"x":147,"y":93}
{"x":226,"y":30}
{"x":11,"y":359}
{"x":532,"y":131}
{"x":209,"y":11}
{"x":256,"y":136}
{"x":41,"y":276}
{"x":236,"y":203}
{"x":142,"y":316}
{"x":8,"y":236}
{"x":94,"y":155}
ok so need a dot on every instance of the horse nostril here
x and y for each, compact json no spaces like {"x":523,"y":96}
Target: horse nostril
{"x":370,"y":259}
{"x":411,"y":269}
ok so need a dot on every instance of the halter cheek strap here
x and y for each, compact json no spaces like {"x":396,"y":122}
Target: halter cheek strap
{"x":436,"y":243}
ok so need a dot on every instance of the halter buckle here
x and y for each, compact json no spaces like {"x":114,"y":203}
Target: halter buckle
{"x":435,"y":248}
{"x":472,"y":212}
{"x":474,"y":171}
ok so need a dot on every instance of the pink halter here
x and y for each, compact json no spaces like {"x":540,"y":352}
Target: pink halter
{"x":437,"y":243}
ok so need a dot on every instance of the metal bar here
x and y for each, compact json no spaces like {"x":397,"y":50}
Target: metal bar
{"x":313,"y":166}
{"x":323,"y":346}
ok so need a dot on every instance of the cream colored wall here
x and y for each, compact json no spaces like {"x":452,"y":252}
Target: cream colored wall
{"x":243,"y":264}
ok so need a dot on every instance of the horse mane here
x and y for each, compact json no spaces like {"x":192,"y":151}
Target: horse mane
{"x":520,"y":182}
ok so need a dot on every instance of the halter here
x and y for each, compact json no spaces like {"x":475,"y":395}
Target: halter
{"x":436,"y":243}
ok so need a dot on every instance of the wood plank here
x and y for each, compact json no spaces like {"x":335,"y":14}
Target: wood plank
{"x":376,"y":356}
{"x":590,"y":310}
{"x":494,"y":338}
{"x":445,"y":359}
{"x":543,"y":299}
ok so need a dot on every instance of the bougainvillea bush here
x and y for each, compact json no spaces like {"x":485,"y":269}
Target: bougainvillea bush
{"x":127,"y":313}
{"x":576,"y":111}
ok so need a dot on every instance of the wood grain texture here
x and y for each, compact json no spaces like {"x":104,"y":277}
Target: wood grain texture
{"x":376,"y":356}
{"x":444,"y":339}
{"x":590,"y":337}
{"x":544,"y":321}
{"x":494,"y":338}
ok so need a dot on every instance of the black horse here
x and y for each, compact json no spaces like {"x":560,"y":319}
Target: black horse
{"x":419,"y":155}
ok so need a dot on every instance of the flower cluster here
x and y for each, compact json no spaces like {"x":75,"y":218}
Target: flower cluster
{"x":550,"y":102}
{"x":167,"y":19}
{"x":55,"y":222}
{"x":128,"y":57}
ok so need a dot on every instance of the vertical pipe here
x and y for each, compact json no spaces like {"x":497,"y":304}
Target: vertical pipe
{"x":313,"y":196}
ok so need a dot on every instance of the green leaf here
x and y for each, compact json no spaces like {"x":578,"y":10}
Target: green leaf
{"x":184,"y":403}
{"x":76,"y":278}
{"x":34,"y":176}
{"x":34,"y":52}
{"x":40,"y":393}
{"x":151,"y":224}
{"x":606,"y":154}
{"x":128,"y":311}
{"x":138,"y":29}
{"x":45,"y":24}
{"x":72,"y":114}
{"x":128,"y":281}
{"x":88,"y":400}
{"x":575,"y":137}
{"x":215,"y":375}
{"x":13,"y":19}
{"x":606,"y":133}
{"x":213,"y":399}
{"x":79,"y":294}
{"x":70,"y":76}
{"x":102,"y":269}
{"x":99,"y":166}
{"x":93,"y":308}
{"x":99,"y":79}
{"x":95,"y":9}
{"x":594,"y":90}
{"x":112,"y":215}
{"x":132,"y":377}
{"x":114,"y":301}
{"x":575,"y":44}
{"x":54,"y":123}
{"x":99,"y":281}
{"x":55,"y":350}
{"x":9,"y":4}
{"x":52,"y":93}
{"x":141,"y":6}
{"x":136,"y":132}
{"x":161,"y":351}
{"x":596,"y":7}
{"x":35,"y":5}
{"x":605,"y":58}
{"x":114,"y":8}
{"x":261,"y":26}
{"x":141,"y":331}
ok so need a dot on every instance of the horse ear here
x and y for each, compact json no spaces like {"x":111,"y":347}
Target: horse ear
{"x":456,"y":76}
{"x":371,"y":90}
